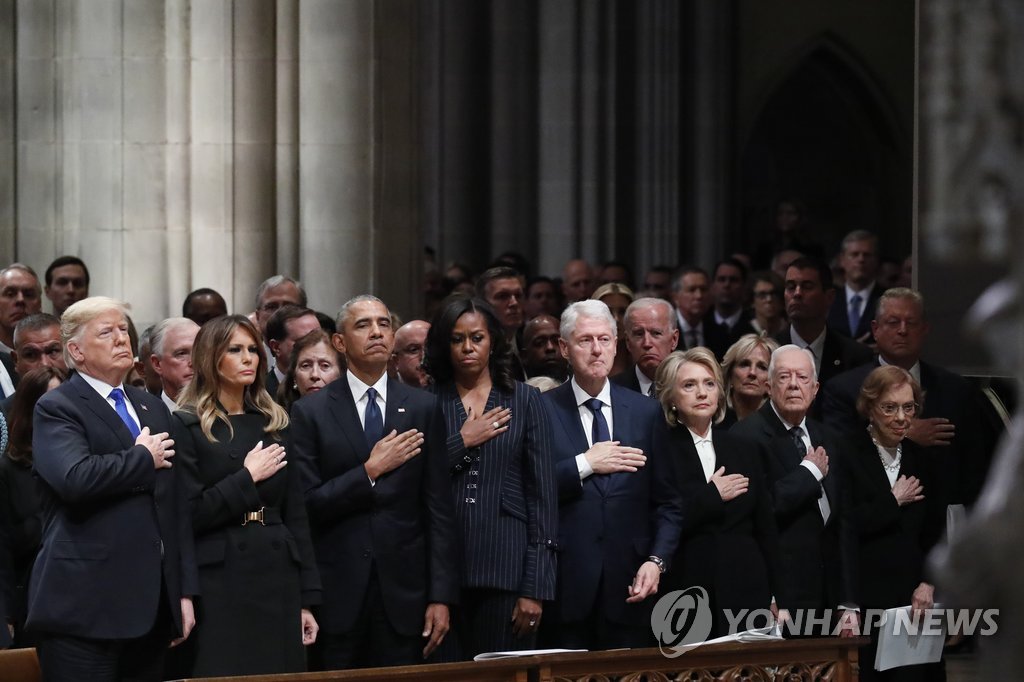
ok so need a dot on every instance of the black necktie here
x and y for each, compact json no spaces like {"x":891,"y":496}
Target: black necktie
{"x":599,"y":432}
{"x":798,"y":440}
{"x":373,"y":423}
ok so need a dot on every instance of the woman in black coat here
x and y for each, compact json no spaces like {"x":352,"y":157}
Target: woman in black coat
{"x":502,"y":477}
{"x":729,"y":541}
{"x":20,"y":512}
{"x":257,"y":575}
{"x":899,"y":517}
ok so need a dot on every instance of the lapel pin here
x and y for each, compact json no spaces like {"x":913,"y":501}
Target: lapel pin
{"x":836,"y":362}
{"x":145,"y":408}
{"x":401,"y":409}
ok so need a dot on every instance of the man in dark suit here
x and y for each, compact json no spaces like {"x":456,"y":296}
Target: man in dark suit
{"x":809,"y":294}
{"x":853,"y":308}
{"x":651,"y":334}
{"x":113,"y":582}
{"x":803,"y":463}
{"x":539,"y":354}
{"x":951,"y":423}
{"x":288,"y":324}
{"x":690,"y":293}
{"x":729,"y":289}
{"x":619,"y":516}
{"x":371,"y":457}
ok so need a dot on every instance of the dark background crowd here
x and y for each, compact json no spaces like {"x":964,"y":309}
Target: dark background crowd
{"x":532,"y":464}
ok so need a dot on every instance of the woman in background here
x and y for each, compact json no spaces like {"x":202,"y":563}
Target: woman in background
{"x":314,"y":364}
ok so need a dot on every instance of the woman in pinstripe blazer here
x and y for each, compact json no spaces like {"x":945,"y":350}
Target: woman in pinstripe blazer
{"x":506,"y":503}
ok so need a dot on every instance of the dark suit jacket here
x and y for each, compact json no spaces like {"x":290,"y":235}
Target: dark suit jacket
{"x":627,"y":379}
{"x":731,"y":549}
{"x":818,"y":558}
{"x":839,"y":314}
{"x":272,"y":384}
{"x":838,"y":355}
{"x":113,"y":525}
{"x":608,"y":527}
{"x":893,"y":540}
{"x":510,"y":529}
{"x":403,"y":526}
{"x":716,"y":337}
{"x":963,"y":465}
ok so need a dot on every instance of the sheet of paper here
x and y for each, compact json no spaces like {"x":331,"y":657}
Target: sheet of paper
{"x":900,"y":645}
{"x":491,"y":655}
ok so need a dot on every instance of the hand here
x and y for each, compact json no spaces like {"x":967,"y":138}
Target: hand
{"x":645,"y":583}
{"x":729,"y":487}
{"x":159,"y":445}
{"x":907,"y":490}
{"x":923,"y":599}
{"x":819,"y":458}
{"x":931,"y":431}
{"x":849,"y":624}
{"x":309,"y":628}
{"x":435,"y":626}
{"x":526,"y":616}
{"x":479,"y":429}
{"x":188,"y":621}
{"x":782,"y":617}
{"x":609,"y":457}
{"x":392,"y":451}
{"x":264,"y":462}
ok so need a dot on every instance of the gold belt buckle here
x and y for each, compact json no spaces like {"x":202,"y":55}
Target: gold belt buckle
{"x":253,"y":516}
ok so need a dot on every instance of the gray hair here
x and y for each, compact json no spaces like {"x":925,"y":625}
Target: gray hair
{"x":899,"y":293}
{"x":34,"y":323}
{"x":78,"y":315}
{"x":596,"y":310}
{"x":276,"y":281}
{"x":650,"y":302}
{"x":347,"y":306}
{"x":161,"y":329}
{"x":23,"y":268}
{"x":858,"y":236}
{"x":785,"y":349}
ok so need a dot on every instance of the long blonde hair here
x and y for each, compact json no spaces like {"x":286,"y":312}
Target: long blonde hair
{"x":201,"y":395}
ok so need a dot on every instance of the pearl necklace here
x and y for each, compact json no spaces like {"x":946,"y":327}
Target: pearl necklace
{"x":895,"y":465}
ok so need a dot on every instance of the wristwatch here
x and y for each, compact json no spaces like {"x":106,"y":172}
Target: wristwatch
{"x":657,"y":561}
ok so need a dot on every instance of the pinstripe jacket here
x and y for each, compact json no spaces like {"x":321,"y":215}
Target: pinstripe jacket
{"x":506,"y":502}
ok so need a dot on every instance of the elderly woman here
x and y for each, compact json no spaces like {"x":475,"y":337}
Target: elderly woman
{"x":897,"y":522}
{"x":314,"y":364}
{"x":502,"y":480}
{"x":729,"y":540}
{"x":745,"y":367}
{"x":617,"y":297}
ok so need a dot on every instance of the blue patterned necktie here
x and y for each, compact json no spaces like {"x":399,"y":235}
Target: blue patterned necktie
{"x":373,"y":422}
{"x":599,"y":434}
{"x":117,"y":395}
{"x":854,"y":315}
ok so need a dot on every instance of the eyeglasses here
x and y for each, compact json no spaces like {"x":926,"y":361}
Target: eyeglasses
{"x":890,"y":409}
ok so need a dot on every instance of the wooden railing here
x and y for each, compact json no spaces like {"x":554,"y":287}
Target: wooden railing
{"x":831,"y":659}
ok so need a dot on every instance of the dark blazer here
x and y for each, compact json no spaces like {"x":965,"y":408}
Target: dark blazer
{"x":114,"y":527}
{"x":272,"y":384}
{"x":627,"y":379}
{"x":716,"y":337}
{"x":893,"y":540}
{"x":837,"y":356}
{"x":608,"y":527}
{"x":964,"y":464}
{"x":818,"y":558}
{"x":21,"y":521}
{"x":731,"y":549}
{"x":510,"y":529}
{"x":839,"y":314}
{"x":403,"y":525}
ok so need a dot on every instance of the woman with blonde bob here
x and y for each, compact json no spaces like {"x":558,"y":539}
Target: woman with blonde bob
{"x":745,"y":367}
{"x":897,"y":506}
{"x":257,"y":573}
{"x":729,"y":541}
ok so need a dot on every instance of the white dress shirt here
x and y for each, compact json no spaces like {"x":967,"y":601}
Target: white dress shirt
{"x":359,"y":397}
{"x":171,"y":405}
{"x":864,"y":294}
{"x":587,"y":420}
{"x":823,"y":504}
{"x":645,"y":383}
{"x":705,"y":450}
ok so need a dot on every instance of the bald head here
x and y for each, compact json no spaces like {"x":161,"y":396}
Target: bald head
{"x":540,"y":353}
{"x":577,"y":281}
{"x":407,"y":357}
